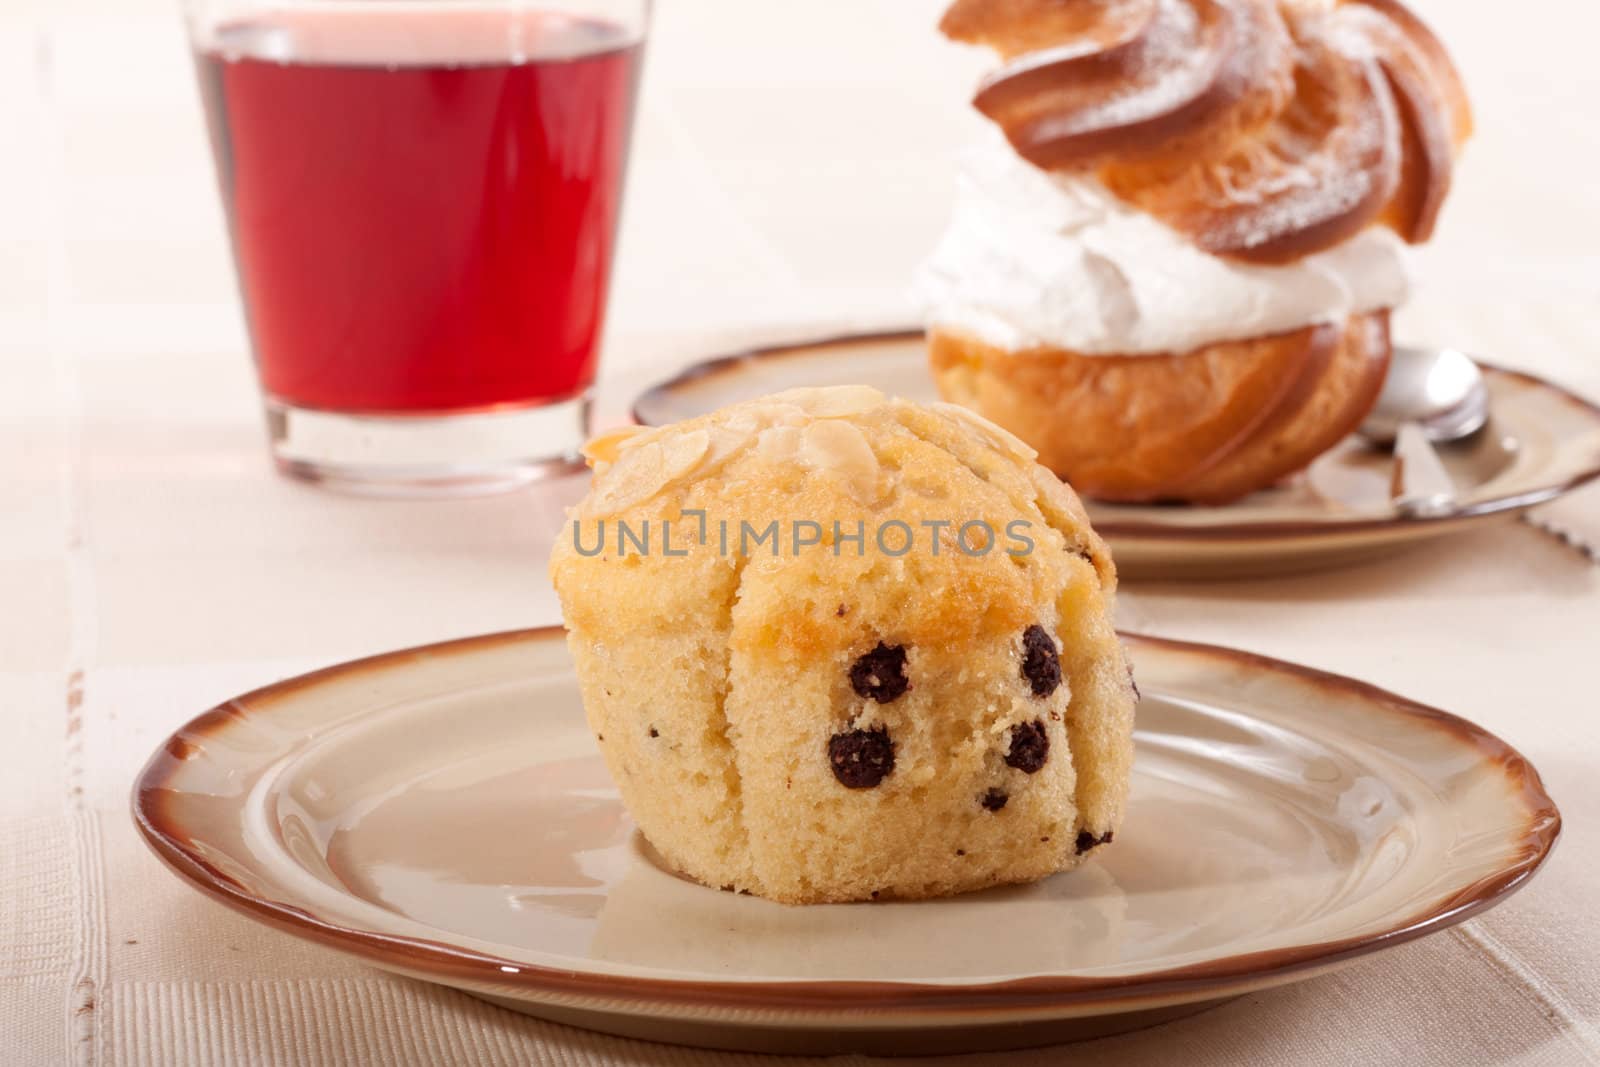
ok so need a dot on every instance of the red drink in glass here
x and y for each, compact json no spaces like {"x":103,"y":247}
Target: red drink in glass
{"x":423,"y":200}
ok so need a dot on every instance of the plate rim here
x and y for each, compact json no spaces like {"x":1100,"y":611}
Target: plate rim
{"x":861,"y":999}
{"x":1162,"y":533}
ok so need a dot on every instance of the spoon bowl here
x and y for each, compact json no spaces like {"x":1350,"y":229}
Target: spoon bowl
{"x":1439,"y":390}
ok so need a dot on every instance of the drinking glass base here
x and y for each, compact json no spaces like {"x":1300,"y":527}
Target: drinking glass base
{"x":431,"y":455}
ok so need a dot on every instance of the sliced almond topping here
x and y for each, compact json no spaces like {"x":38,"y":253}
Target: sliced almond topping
{"x":835,"y":445}
{"x":633,"y":463}
{"x":638,"y":474}
{"x":724,"y":443}
{"x":746,"y":420}
{"x":1060,"y":505}
{"x":681,"y":453}
{"x":992,"y":435}
{"x":644,"y":469}
{"x":832,"y":402}
{"x":841,"y":448}
{"x":605,"y":447}
{"x":779,"y":443}
{"x":786,"y":415}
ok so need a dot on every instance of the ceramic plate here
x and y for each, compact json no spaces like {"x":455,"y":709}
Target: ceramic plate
{"x":442,"y":812}
{"x":1542,"y":441}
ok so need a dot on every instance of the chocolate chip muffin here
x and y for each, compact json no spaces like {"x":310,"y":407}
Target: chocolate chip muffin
{"x":839,"y":647}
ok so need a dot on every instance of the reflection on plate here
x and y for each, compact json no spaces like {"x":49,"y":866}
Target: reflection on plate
{"x":441,"y":812}
{"x":1541,"y":442}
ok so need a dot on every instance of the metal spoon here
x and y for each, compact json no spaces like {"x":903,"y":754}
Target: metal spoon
{"x":1431,"y":396}
{"x":1439,"y":389}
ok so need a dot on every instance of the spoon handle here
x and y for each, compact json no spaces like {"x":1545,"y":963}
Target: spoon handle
{"x":1419,"y":486}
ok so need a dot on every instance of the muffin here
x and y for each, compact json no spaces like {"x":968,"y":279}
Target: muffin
{"x":1171,"y":265}
{"x":838,"y":647}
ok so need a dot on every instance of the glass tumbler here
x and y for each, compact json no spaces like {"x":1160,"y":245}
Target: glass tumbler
{"x":422,"y":197}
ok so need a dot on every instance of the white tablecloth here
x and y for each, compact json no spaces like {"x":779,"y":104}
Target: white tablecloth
{"x":792,"y":162}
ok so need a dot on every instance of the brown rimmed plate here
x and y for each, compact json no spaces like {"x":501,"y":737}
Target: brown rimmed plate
{"x":441,"y":812}
{"x":1542,"y":441}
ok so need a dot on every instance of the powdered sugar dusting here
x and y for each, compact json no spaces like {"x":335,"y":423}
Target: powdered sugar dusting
{"x":1174,"y":65}
{"x":1296,"y":141}
{"x":1312,"y":169}
{"x":1172,"y":59}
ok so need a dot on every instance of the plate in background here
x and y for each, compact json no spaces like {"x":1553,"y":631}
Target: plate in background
{"x":1541,"y":442}
{"x":441,"y":812}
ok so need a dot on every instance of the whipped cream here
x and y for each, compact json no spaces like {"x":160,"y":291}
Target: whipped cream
{"x":1040,"y":259}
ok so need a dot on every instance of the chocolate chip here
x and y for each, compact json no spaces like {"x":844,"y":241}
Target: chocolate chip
{"x":961,"y":852}
{"x":861,"y":758}
{"x":841,"y":611}
{"x":1030,"y":747}
{"x":1040,"y":665}
{"x":1134,"y":684}
{"x":1086,"y":840}
{"x":994,"y":800}
{"x":881,"y":674}
{"x":654,"y":732}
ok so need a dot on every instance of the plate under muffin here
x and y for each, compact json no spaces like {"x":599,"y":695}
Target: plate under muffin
{"x":1542,"y":442}
{"x":441,"y":812}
